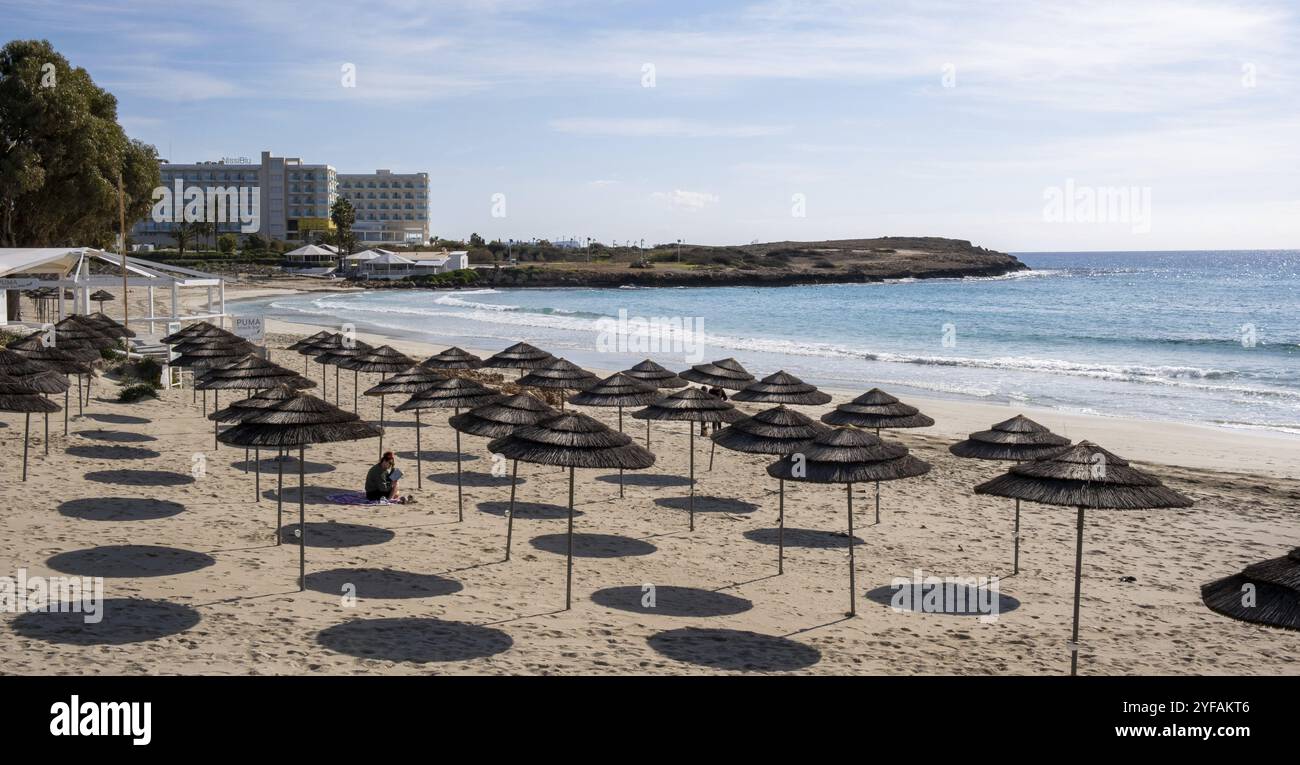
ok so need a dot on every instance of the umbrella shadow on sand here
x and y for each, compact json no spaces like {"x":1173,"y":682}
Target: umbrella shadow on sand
{"x":528,"y":511}
{"x":140,"y":477}
{"x":948,"y":599}
{"x":414,"y":639}
{"x":593,"y":545}
{"x":116,"y":436}
{"x":381,"y":583}
{"x":707,"y":504}
{"x":270,"y":466}
{"x":111,"y":452}
{"x":117,"y":419}
{"x":337,"y":535}
{"x":315,"y":495}
{"x":671,"y":601}
{"x":734,"y":650}
{"x":434,"y":455}
{"x":120,"y":508}
{"x":475,"y":480}
{"x":812,"y":538}
{"x":122,"y":621}
{"x":129,"y":561}
{"x":646,"y":479}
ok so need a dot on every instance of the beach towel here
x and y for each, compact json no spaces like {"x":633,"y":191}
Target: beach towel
{"x":355,"y":498}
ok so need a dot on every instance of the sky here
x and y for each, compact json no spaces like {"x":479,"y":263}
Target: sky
{"x":1000,"y":122}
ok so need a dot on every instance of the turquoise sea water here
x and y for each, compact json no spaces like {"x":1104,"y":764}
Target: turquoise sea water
{"x":1210,"y":337}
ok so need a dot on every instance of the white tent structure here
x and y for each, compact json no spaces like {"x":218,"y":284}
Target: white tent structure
{"x":23,"y":268}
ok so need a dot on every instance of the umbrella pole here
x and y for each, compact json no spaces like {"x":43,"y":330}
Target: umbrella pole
{"x":419,"y":478}
{"x":257,"y":474}
{"x":381,"y":426}
{"x":356,"y":383}
{"x":692,"y":500}
{"x":27,"y":424}
{"x":510,"y":511}
{"x":568,"y":581}
{"x":780,"y":531}
{"x":1016,"y":537}
{"x":79,"y":409}
{"x":47,"y":433}
{"x":336,"y":385}
{"x":460,"y":499}
{"x":647,"y":434}
{"x":712,"y":449}
{"x":302,"y":521}
{"x":279,"y":497}
{"x":877,"y":503}
{"x":1078,"y":572}
{"x":620,"y":470}
{"x":65,"y":411}
{"x":324,"y":386}
{"x":853,"y":586}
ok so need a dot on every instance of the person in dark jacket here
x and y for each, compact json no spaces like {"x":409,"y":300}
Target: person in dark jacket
{"x":381,"y":482}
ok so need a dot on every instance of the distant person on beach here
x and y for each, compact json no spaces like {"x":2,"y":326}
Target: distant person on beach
{"x":381,"y":481}
{"x":721,"y":394}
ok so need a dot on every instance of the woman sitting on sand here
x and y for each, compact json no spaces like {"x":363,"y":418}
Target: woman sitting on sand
{"x":381,"y":481}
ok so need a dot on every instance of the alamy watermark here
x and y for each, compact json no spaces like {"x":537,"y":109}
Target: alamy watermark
{"x":53,"y":595}
{"x":209,"y":204}
{"x":656,"y":334}
{"x":1073,"y":203}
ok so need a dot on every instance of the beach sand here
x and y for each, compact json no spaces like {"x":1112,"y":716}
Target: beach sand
{"x":208,"y":590}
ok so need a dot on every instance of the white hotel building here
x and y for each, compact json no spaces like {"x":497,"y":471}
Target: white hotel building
{"x":391,"y":208}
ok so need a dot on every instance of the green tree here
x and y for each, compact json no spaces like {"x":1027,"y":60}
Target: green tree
{"x":184,"y":234}
{"x":475,"y":240}
{"x":344,"y":216}
{"x":228,"y":243}
{"x":62,"y":153}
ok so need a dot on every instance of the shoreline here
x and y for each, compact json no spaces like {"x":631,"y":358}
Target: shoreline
{"x":1153,"y":441}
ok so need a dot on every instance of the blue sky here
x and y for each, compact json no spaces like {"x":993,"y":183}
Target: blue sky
{"x":889,"y":118}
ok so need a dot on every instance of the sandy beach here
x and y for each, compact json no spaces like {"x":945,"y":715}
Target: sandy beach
{"x":196,"y":583}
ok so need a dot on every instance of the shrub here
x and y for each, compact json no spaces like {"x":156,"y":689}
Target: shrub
{"x":134,"y":393}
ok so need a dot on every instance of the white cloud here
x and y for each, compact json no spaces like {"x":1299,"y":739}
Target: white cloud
{"x":659,"y":127}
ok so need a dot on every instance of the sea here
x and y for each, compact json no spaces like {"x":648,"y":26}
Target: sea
{"x":1210,"y":337}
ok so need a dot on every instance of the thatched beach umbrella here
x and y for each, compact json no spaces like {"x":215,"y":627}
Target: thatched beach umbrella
{"x":318,"y":352}
{"x":658,"y":376}
{"x":779,"y":388}
{"x":337,"y":355}
{"x":203,"y":353}
{"x":383,"y":360}
{"x":848,"y":456}
{"x":196,"y":330}
{"x":36,"y":376}
{"x":617,"y":390}
{"x":453,"y":359}
{"x":690,"y":405}
{"x":413,"y":380}
{"x":1265,"y":593}
{"x":308,"y":346}
{"x":109,"y":325}
{"x":455,"y":393}
{"x":1083,"y":476}
{"x":299,"y":421}
{"x":72,"y":332}
{"x":248,"y":373}
{"x":723,"y":373}
{"x":561,"y":375}
{"x":521,"y":356}
{"x":1019,"y":439}
{"x":60,"y":360}
{"x":16,"y":396}
{"x":497,"y":420}
{"x":777,"y":431}
{"x":241,"y":410}
{"x":572,"y":440}
{"x":876,"y":409}
{"x":101,"y":297}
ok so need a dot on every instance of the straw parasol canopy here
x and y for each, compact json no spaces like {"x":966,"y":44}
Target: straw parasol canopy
{"x":497,"y":420}
{"x":241,"y":410}
{"x":1083,"y":476}
{"x":101,"y":297}
{"x":198,"y":329}
{"x":1018,"y":438}
{"x":298,"y":421}
{"x":453,"y":358}
{"x":381,"y":360}
{"x":560,"y":374}
{"x":307,"y":346}
{"x":413,"y":380}
{"x":76,"y":329}
{"x":723,"y":373}
{"x":617,"y":390}
{"x":107,"y":324}
{"x":660,"y":377}
{"x":454,"y":393}
{"x":519,"y":356}
{"x":778,"y":431}
{"x":689,"y":405}
{"x":877,"y":409}
{"x":17,"y":396}
{"x":63,"y":361}
{"x":848,"y":456}
{"x":782,"y":388}
{"x":251,"y":372}
{"x":37,"y":376}
{"x":1265,"y":593}
{"x":338,"y":355}
{"x":572,"y":440}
